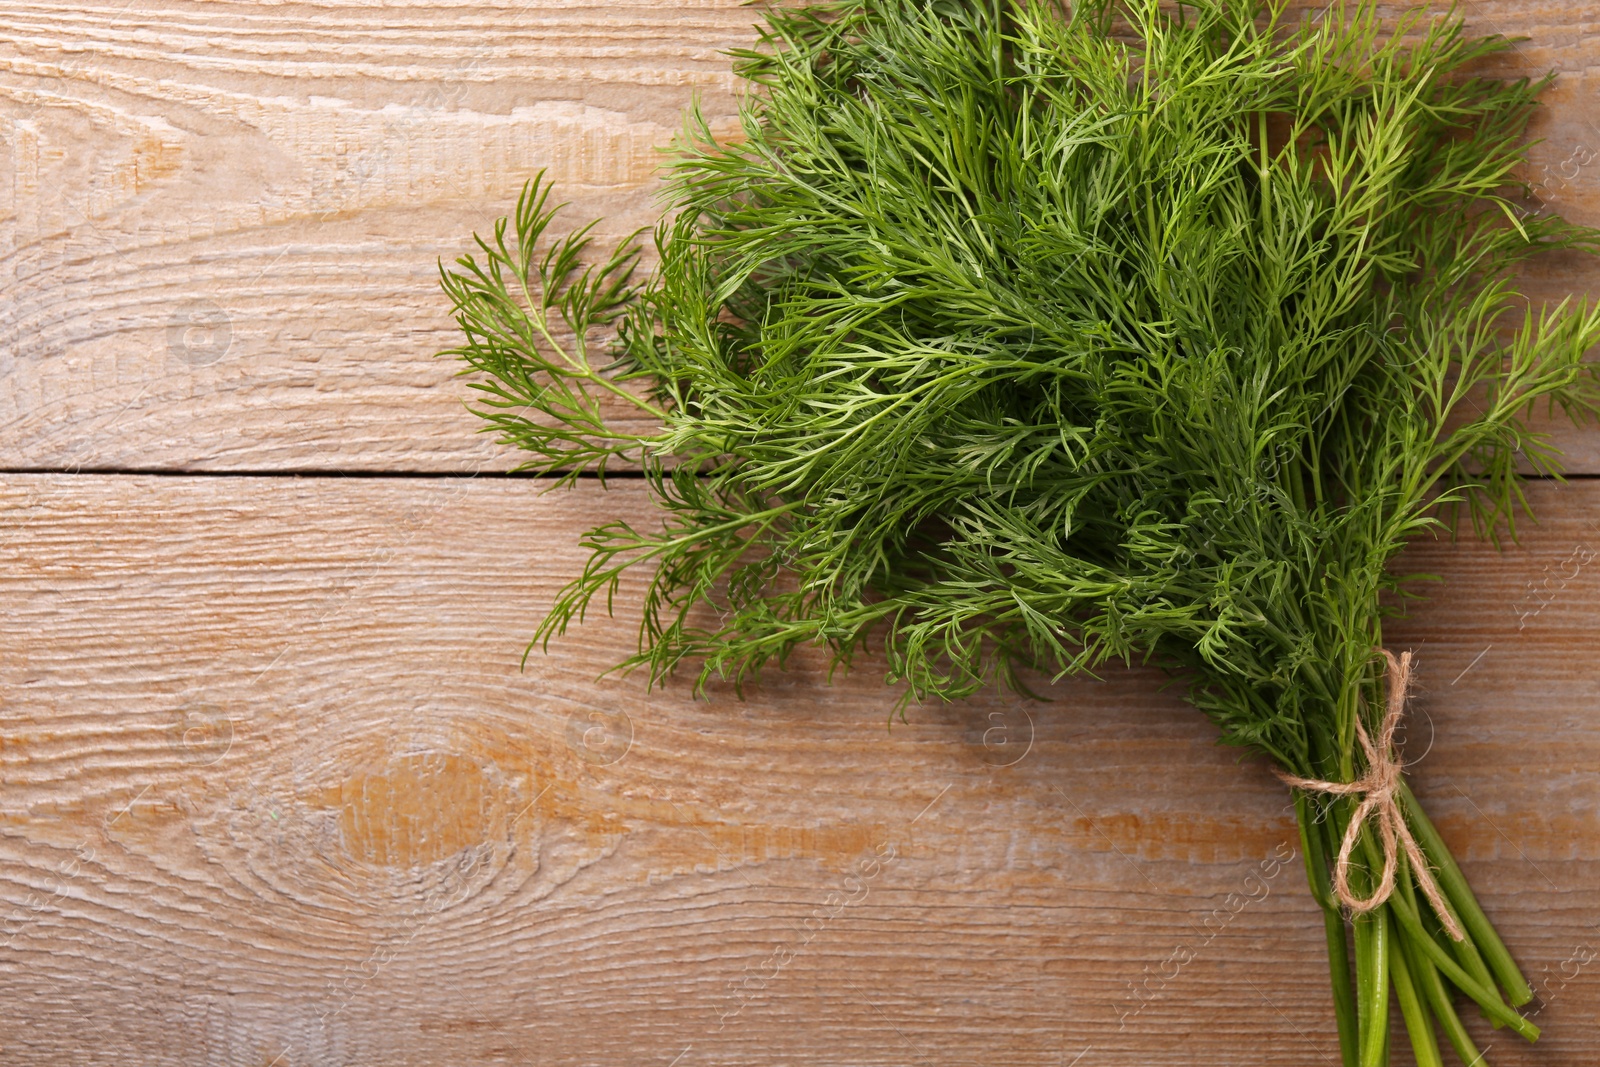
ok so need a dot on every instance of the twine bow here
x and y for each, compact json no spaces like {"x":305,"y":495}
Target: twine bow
{"x":1377,"y":789}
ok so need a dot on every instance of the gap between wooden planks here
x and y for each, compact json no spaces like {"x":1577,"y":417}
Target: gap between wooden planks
{"x":274,"y":785}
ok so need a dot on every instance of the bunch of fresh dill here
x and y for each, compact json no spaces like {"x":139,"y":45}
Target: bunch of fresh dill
{"x":1013,"y":339}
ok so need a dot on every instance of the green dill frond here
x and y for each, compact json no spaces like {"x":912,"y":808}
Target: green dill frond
{"x":529,"y":324}
{"x":1013,"y":339}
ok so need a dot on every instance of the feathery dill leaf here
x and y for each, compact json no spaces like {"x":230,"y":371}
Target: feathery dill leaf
{"x":1013,"y":339}
{"x":1034,"y":345}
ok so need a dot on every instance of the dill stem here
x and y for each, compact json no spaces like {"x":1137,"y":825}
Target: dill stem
{"x":1372,"y":985}
{"x":1369,"y":932}
{"x":1349,"y":708}
{"x":1433,"y":990}
{"x":577,"y":359}
{"x":1358,"y":677}
{"x":1465,"y":950}
{"x":1466,"y":953}
{"x":1488,"y":1000}
{"x":1460,"y":895}
{"x":1419,"y":1027}
{"x":1410,"y":917}
{"x":1344,"y":997}
{"x":1314,"y":850}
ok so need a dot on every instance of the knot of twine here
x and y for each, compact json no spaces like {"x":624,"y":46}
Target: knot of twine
{"x":1377,"y":789}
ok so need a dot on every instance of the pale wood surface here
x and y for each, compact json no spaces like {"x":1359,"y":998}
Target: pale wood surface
{"x":219,"y":222}
{"x":319,"y":813}
{"x":274,"y":792}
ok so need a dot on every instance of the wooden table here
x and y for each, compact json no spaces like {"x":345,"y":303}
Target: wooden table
{"x":277,"y":792}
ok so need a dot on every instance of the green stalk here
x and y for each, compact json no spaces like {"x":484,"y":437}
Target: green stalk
{"x":1433,"y":990}
{"x":1467,"y":954}
{"x":1487,"y":996}
{"x":1419,"y":1027}
{"x":1489,"y":1000}
{"x":1461,"y":897}
{"x":1372,"y":975}
{"x":1431,"y":987}
{"x":1361,"y":936}
{"x":1466,"y":950}
{"x":1344,"y":997}
{"x":1313,"y":846}
{"x":1314,"y":849}
{"x":1372,"y":985}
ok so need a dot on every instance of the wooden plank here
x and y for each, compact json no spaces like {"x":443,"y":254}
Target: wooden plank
{"x":276,"y":792}
{"x":220,"y":222}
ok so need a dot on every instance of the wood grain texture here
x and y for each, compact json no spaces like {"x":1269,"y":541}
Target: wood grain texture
{"x":276,"y":792}
{"x":219,"y":221}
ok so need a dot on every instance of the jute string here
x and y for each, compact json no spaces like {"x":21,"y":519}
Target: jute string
{"x":1378,"y":789}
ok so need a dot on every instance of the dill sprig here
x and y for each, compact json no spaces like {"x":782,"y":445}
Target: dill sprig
{"x":1020,"y":341}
